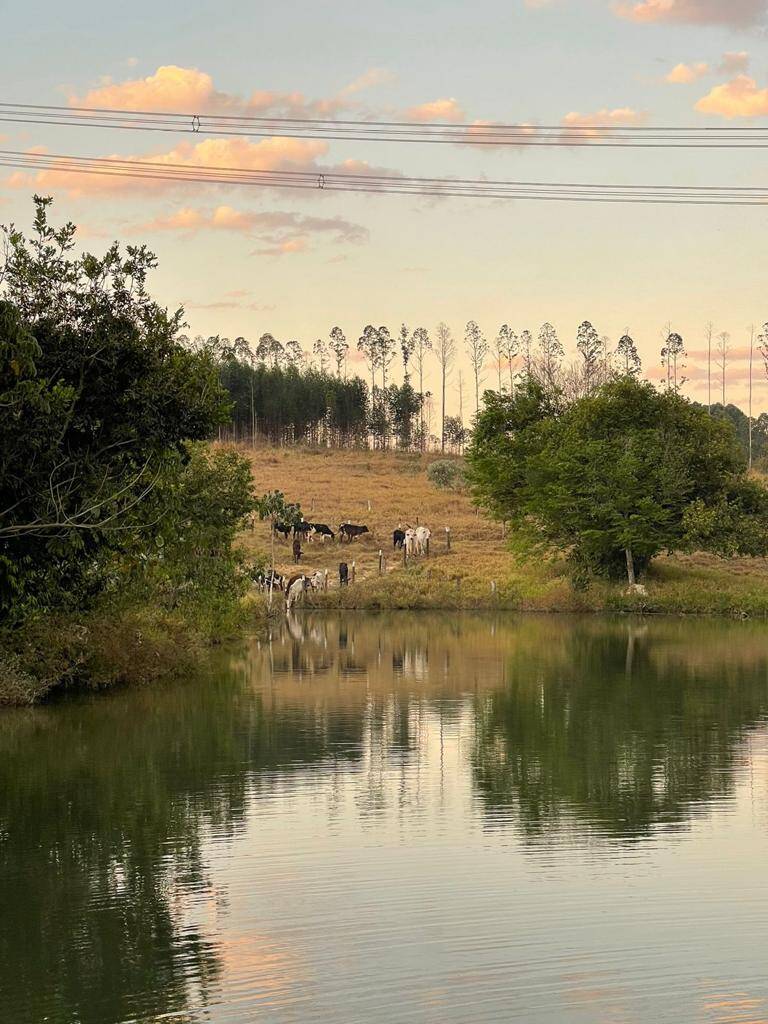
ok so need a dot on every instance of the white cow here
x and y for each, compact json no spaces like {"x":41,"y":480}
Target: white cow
{"x":410,"y":542}
{"x":294,"y":589}
{"x":422,"y":539}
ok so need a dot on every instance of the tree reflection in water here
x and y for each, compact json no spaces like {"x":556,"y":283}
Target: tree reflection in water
{"x":108,"y":805}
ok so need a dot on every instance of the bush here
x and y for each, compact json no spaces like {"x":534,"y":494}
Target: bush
{"x":446,"y":474}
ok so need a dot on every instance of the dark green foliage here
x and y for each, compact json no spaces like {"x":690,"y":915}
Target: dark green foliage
{"x":626,"y":473}
{"x":294,"y":406}
{"x":99,"y":402}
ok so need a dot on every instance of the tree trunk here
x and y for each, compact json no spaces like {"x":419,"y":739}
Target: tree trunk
{"x":442,"y":427}
{"x":630,"y":567}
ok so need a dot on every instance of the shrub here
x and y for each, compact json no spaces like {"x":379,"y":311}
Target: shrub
{"x":446,"y":474}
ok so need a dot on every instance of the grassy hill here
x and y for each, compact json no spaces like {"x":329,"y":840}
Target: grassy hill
{"x":384,"y":490}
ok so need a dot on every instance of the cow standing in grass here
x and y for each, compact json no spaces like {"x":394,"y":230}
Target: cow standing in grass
{"x":348,"y":532}
{"x":322,"y":530}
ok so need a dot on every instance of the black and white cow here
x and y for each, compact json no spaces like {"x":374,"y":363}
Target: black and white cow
{"x":302,"y":529}
{"x":322,"y":530}
{"x":348,"y":531}
{"x":263,"y":579}
{"x":282,"y":528}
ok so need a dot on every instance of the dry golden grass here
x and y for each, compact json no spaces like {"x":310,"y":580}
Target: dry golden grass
{"x":384,"y":490}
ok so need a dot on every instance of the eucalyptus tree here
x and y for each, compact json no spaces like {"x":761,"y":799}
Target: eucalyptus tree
{"x":339,"y":346}
{"x":628,"y":356}
{"x":422,"y":347}
{"x":477,"y":350}
{"x":445,"y":351}
{"x":499,"y":349}
{"x":709,"y":331}
{"x":407,"y":346}
{"x":589,"y":346}
{"x":723,"y":351}
{"x":294,"y":353}
{"x":367,"y":345}
{"x":526,"y":348}
{"x":671,"y":355}
{"x":511,"y":349}
{"x":320,"y":352}
{"x":550,"y":355}
{"x":269,"y":349}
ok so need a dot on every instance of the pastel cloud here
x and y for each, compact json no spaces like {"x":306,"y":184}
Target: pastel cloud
{"x":171,"y":88}
{"x":598,"y":124}
{"x":272,"y":154}
{"x":695,"y":12}
{"x":683,"y":74}
{"x":175,"y":89}
{"x":446,"y":109}
{"x":734,"y":62}
{"x":741,"y":97}
{"x":276,"y":226}
{"x":605,"y":117}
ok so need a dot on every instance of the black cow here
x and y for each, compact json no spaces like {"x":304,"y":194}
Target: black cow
{"x":398,"y":539}
{"x":282,"y":528}
{"x":343,"y":574}
{"x":302,"y":529}
{"x":322,"y":530}
{"x":349,"y":531}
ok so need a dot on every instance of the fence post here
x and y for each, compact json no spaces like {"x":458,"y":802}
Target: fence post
{"x":369,"y":504}
{"x":352,"y":575}
{"x":405,"y":555}
{"x":447,"y":538}
{"x":380,"y":560}
{"x":493,"y":588}
{"x":427,"y":547}
{"x":325,"y":580}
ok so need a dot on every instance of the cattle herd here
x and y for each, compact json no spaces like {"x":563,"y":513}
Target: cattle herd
{"x":411,"y":541}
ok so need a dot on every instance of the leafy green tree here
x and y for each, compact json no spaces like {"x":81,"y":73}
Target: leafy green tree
{"x":617,"y":477}
{"x":404,"y":405}
{"x":99,"y":399}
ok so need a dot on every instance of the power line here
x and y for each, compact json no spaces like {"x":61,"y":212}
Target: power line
{"x":468,"y":134}
{"x":332,"y":181}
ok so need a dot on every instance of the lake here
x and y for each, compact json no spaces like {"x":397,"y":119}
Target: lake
{"x":399,"y":817}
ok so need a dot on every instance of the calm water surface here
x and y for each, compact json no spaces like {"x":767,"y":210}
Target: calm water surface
{"x":391,"y":818}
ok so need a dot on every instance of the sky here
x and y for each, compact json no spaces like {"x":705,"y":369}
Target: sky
{"x":245,"y":260}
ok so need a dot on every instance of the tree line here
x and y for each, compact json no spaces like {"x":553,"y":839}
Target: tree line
{"x":284,"y":394}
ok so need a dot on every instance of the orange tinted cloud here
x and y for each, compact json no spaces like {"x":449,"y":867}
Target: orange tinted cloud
{"x":171,"y":88}
{"x":740,"y":97}
{"x":436,"y":110}
{"x":275,"y":226}
{"x":697,"y":12}
{"x":682,"y":74}
{"x":617,"y":116}
{"x":233,"y":154}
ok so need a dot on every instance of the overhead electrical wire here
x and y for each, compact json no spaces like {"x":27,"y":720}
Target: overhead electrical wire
{"x":334,"y":181}
{"x":477,"y":134}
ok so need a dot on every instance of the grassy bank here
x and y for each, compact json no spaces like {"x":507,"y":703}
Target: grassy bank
{"x":114,"y":645}
{"x":384,"y":490}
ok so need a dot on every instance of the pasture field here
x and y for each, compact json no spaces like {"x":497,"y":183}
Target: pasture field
{"x":384,"y":490}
